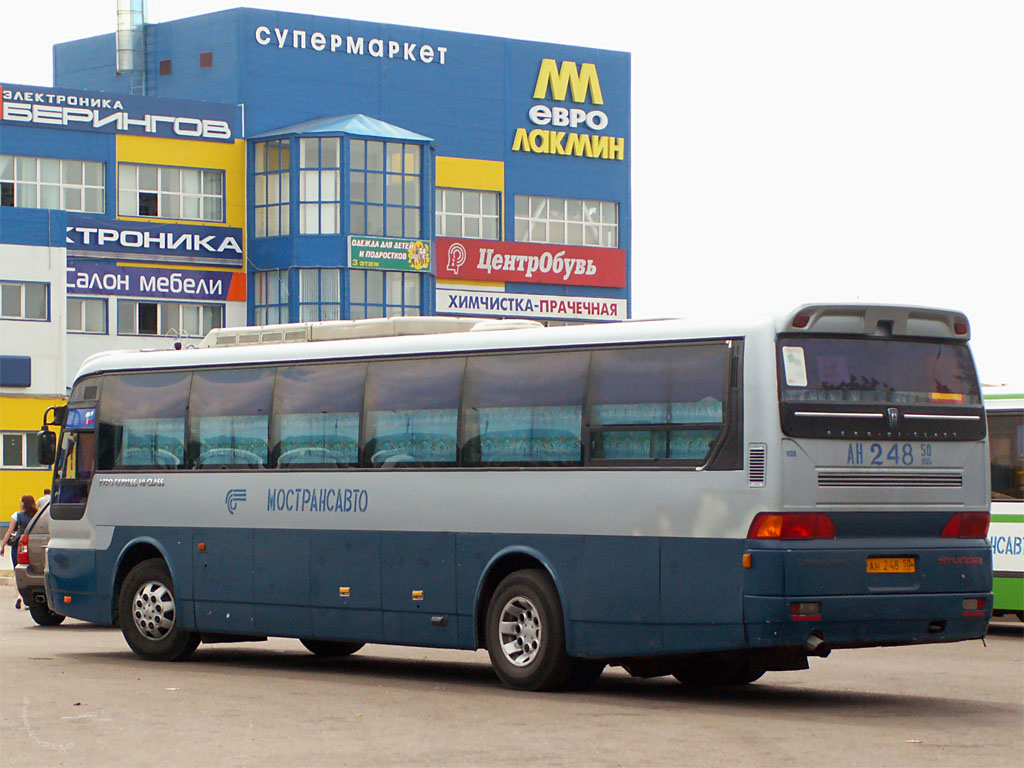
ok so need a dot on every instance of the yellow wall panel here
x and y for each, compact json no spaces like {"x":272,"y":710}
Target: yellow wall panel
{"x":21,"y":414}
{"x":465,"y":173}
{"x":221,"y":156}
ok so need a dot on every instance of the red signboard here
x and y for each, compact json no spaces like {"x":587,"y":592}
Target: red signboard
{"x":501,"y":262}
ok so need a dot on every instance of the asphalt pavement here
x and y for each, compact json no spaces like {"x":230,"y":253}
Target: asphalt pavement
{"x":74,"y":695}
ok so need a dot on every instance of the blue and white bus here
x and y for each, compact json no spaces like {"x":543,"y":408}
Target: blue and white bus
{"x":710,"y":500}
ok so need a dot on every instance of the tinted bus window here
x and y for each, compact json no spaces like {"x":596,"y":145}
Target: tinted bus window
{"x":877,"y":371}
{"x":525,"y":409}
{"x":1006,"y":451}
{"x":675,"y":393}
{"x":142,"y":421}
{"x":316,"y":415}
{"x":230,"y":417}
{"x":412,"y":412}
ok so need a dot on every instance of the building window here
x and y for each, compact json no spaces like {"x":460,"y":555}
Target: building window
{"x":566,"y":222}
{"x":465,"y":213}
{"x":271,"y":300}
{"x":167,"y":318}
{"x":24,"y":301}
{"x":87,"y":315}
{"x":47,"y":182}
{"x":158,"y":192}
{"x":206,"y":60}
{"x":20,"y":450}
{"x":165,"y":67}
{"x":384,"y":188}
{"x":319,"y":294}
{"x":375,"y":293}
{"x":320,"y":186}
{"x":270,"y":166}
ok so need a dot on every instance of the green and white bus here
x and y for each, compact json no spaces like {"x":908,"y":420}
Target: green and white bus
{"x":1005,"y":409}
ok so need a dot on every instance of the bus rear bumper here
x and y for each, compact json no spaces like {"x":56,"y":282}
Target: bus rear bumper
{"x":860,"y":621}
{"x":71,"y":588}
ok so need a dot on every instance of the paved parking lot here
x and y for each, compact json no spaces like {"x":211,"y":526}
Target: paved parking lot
{"x":74,"y":695}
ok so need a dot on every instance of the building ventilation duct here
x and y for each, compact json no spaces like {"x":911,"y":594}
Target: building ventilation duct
{"x":131,"y":43}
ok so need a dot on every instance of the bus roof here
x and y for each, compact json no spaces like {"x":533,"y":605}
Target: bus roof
{"x":862,"y":319}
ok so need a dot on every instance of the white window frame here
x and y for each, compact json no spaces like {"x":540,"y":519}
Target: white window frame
{"x":82,"y":315}
{"x":566,"y":221}
{"x":172,"y":324}
{"x":22,"y":284}
{"x":24,"y":451}
{"x":170,"y":193}
{"x":15,"y":171}
{"x":452,"y":218}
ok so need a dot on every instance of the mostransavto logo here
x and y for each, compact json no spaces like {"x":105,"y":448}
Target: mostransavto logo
{"x":233,"y":498}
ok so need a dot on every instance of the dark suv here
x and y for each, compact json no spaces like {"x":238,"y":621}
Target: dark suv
{"x":28,"y":574}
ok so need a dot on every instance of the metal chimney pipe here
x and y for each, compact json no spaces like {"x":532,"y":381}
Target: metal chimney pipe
{"x":131,"y":42}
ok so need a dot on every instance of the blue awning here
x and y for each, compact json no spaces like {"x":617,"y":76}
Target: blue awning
{"x":350,"y":125}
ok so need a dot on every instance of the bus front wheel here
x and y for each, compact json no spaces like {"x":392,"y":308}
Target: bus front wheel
{"x":148,"y":614}
{"x":526,"y":634}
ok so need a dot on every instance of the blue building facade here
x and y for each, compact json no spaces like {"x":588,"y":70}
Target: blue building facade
{"x":393,"y":170}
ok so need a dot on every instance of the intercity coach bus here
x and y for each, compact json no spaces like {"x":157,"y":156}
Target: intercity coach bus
{"x":704,"y":499}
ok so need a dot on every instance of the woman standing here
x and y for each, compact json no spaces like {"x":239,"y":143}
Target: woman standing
{"x":19,"y":523}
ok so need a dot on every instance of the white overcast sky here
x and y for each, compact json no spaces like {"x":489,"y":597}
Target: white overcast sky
{"x":782,"y":151}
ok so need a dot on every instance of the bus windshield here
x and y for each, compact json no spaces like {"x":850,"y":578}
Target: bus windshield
{"x":847,"y":370}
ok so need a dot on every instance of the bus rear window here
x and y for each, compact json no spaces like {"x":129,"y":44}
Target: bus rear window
{"x":845,"y":370}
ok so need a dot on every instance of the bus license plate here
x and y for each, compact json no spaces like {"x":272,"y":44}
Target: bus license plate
{"x":891,"y":565}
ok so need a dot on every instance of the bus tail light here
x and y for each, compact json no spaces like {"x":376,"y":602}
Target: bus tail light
{"x":974,"y":606}
{"x":23,"y":549}
{"x":967,"y":525}
{"x":805,"y":611}
{"x":792,"y":525}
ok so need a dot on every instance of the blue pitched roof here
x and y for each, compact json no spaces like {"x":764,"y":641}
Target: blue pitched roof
{"x":352,"y":125}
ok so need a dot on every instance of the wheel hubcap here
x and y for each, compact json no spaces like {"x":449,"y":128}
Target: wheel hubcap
{"x":520,"y":632}
{"x":153,"y":610}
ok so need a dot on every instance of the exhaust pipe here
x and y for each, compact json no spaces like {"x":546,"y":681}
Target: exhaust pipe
{"x":815,"y":645}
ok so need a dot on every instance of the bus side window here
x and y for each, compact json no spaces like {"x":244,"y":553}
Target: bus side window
{"x":316,"y":415}
{"x":230,"y":418}
{"x":142,"y":421}
{"x":1006,"y":452}
{"x":525,"y":409}
{"x":412,"y":412}
{"x":657,"y":402}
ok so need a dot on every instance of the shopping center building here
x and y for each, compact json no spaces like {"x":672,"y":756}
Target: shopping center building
{"x":257,"y":167}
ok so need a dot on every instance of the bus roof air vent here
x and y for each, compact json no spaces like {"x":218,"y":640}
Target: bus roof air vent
{"x":505,"y":325}
{"x":334,"y":330}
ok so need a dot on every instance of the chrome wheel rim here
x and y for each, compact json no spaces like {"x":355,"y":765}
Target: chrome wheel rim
{"x":520,"y":632}
{"x":153,"y":610}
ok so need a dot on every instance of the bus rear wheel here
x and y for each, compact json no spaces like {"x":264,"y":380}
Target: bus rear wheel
{"x":148,"y":614}
{"x":330,"y":647}
{"x":525,"y":633}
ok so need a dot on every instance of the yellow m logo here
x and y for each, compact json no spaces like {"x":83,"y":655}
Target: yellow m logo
{"x":560,"y":80}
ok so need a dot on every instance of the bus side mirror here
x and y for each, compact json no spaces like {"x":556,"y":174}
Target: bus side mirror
{"x":46,"y":447}
{"x":59,"y":414}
